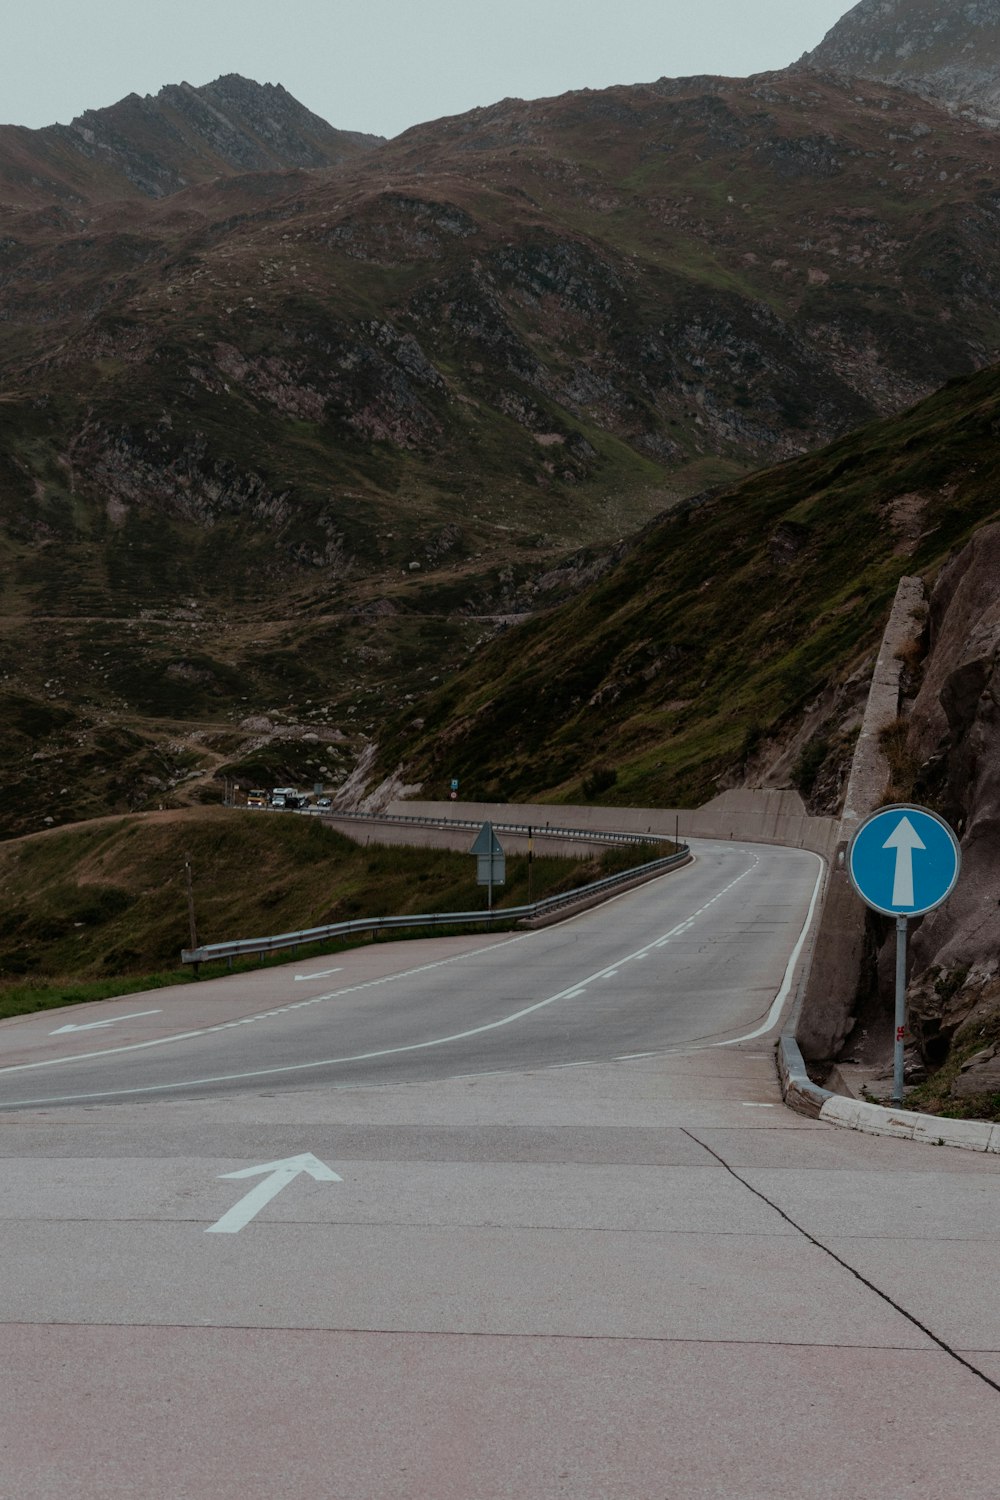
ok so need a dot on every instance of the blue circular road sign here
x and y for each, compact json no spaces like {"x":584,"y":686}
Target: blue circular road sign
{"x":904,"y":861}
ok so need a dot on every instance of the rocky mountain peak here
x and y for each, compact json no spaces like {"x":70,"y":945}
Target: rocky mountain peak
{"x":184,"y":134}
{"x":944,"y":49}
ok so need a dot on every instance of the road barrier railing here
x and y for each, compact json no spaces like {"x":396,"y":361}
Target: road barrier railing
{"x":505,"y":916}
{"x":539,"y":830}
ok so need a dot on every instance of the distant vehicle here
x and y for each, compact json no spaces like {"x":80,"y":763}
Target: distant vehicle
{"x":285,"y":796}
{"x":324,"y":801}
{"x":258,"y":798}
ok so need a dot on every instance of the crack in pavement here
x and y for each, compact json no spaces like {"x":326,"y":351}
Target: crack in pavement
{"x":846,"y":1265}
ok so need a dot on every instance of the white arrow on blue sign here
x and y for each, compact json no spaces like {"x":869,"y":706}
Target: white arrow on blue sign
{"x":904,"y":861}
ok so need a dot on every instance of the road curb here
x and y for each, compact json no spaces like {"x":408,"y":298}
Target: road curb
{"x":807,"y":1098}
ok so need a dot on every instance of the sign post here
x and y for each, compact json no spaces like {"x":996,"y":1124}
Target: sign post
{"x":492,"y":862}
{"x":903,"y":862}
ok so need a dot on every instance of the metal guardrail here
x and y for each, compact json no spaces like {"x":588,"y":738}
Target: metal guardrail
{"x":540,"y":830}
{"x":242,"y":947}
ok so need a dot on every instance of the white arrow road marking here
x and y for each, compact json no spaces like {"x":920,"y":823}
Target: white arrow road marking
{"x":93,"y":1025}
{"x":320,"y":974}
{"x":904,"y":838}
{"x":281,"y":1174}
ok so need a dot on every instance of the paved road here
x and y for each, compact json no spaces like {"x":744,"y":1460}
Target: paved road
{"x":694,"y":958}
{"x":543,"y":1274}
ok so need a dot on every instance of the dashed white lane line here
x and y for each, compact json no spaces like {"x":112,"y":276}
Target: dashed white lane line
{"x":571,"y":993}
{"x":660,"y":942}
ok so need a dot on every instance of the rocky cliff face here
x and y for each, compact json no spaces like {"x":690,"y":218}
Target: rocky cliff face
{"x":944,"y":49}
{"x":954,"y":745}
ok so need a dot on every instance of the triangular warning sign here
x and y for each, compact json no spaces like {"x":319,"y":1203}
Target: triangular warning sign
{"x":486,"y":841}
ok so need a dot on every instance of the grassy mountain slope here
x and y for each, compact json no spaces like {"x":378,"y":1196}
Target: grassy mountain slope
{"x":109,"y":898}
{"x":723,"y":624}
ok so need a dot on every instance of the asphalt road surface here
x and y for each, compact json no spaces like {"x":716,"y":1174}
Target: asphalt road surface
{"x":486,"y":1219}
{"x":695,"y":958}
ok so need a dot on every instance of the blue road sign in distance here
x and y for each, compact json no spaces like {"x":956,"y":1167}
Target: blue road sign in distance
{"x":904,"y":861}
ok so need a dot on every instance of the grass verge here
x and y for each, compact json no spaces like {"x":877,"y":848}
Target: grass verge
{"x":101,"y":910}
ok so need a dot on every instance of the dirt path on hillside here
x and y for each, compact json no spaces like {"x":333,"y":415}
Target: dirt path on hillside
{"x":168,"y":815}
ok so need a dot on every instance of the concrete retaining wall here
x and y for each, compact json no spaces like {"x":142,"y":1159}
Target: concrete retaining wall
{"x":761,"y":817}
{"x":374,"y":829}
{"x":827,"y":1012}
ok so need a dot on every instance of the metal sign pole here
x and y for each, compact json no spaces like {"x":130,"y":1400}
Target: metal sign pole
{"x":903,"y":861}
{"x":489,"y":896}
{"x":897,"y":1060}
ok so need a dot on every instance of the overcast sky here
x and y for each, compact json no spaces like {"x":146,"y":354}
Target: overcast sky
{"x":382,"y":65}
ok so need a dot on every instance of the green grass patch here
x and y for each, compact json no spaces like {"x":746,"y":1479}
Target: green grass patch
{"x":102,"y":909}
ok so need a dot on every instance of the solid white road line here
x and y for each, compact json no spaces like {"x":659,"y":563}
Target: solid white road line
{"x":774,"y":1014}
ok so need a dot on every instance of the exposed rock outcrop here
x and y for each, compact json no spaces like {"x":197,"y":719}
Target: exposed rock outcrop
{"x":939,"y":48}
{"x":955,"y":736}
{"x":150,"y":146}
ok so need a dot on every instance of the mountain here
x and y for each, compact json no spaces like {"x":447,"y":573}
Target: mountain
{"x":150,"y":147}
{"x":729,"y":643}
{"x":945,"y":49}
{"x":281,"y":447}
